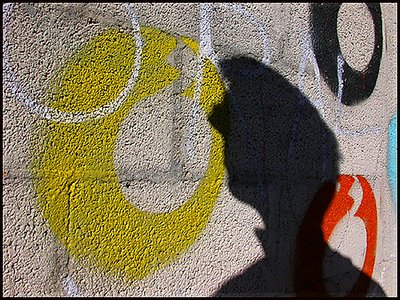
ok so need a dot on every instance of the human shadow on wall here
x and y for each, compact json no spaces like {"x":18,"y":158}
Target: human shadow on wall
{"x":278,"y":154}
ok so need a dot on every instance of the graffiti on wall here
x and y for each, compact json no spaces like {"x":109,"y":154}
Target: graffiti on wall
{"x":90,"y":214}
{"x":358,"y":85}
{"x":392,"y":158}
{"x":75,"y":177}
{"x":321,"y":47}
{"x":77,"y":185}
{"x":323,"y":215}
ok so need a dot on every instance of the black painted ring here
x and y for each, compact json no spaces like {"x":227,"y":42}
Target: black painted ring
{"x":357,"y":85}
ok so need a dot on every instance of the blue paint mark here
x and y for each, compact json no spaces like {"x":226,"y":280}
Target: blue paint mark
{"x":392,"y":158}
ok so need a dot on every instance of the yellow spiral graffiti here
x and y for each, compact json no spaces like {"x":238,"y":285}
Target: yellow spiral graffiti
{"x":75,"y":178}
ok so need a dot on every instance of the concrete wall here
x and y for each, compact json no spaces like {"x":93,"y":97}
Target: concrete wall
{"x":187,"y":149}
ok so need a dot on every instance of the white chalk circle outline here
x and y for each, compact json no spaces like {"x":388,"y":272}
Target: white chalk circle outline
{"x":55,"y":114}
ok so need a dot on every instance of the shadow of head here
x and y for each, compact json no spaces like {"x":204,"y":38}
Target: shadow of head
{"x":275,"y":134}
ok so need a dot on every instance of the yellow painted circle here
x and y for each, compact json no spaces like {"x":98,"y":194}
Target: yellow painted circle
{"x":75,"y":177}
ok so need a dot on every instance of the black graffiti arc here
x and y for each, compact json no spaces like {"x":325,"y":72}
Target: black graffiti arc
{"x":357,"y":85}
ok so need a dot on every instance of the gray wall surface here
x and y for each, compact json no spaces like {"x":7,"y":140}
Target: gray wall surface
{"x":199,"y":149}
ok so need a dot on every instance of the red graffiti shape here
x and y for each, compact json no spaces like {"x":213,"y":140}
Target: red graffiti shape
{"x":324,"y":213}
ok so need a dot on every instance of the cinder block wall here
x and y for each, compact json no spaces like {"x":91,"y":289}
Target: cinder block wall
{"x":188,"y":149}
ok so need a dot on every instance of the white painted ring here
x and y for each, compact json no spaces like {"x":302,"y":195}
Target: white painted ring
{"x":55,"y":114}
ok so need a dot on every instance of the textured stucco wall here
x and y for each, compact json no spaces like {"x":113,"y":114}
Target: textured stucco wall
{"x":187,"y":149}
